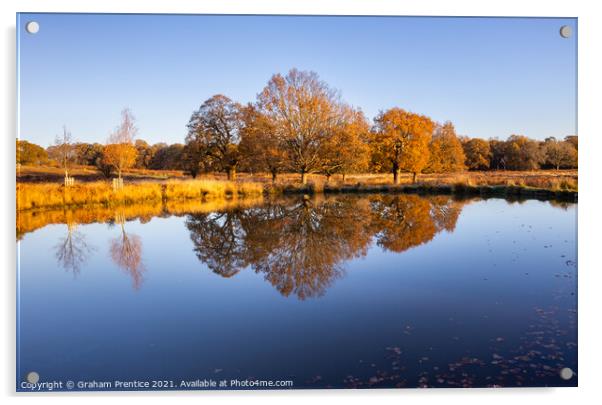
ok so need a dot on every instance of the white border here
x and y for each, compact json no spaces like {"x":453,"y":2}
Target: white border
{"x":590,"y":280}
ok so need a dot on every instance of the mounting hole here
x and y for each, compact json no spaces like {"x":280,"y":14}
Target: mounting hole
{"x":566,"y":373}
{"x":566,"y":31}
{"x":32,"y":27}
{"x":33,"y":377}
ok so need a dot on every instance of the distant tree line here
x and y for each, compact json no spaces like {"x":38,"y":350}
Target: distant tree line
{"x":159,"y":156}
{"x":299,"y":124}
{"x":121,"y":151}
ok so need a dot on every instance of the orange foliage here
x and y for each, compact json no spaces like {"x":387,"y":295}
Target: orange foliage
{"x":446,"y":153}
{"x":401,"y":140}
{"x":120,"y":156}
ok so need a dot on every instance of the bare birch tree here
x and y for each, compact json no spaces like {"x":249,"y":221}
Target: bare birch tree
{"x":64,"y":151}
{"x":120,"y":151}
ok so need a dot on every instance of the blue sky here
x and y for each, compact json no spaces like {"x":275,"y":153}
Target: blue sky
{"x":492,"y":77}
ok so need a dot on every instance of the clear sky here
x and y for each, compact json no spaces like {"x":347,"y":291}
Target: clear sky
{"x":492,"y":77}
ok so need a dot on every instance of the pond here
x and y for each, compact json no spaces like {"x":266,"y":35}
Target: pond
{"x":338,"y":291}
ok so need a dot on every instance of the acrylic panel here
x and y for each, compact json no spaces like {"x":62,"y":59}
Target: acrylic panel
{"x":295,"y":202}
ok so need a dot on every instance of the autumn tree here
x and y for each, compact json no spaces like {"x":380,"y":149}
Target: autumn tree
{"x":88,"y":154}
{"x":347,"y":150}
{"x":522,"y":153}
{"x":478,"y":154}
{"x":193,"y":158}
{"x":167,"y":157}
{"x":446,"y":152}
{"x":498,"y":154}
{"x":215,"y":129}
{"x":30,"y":154}
{"x":304,"y":112}
{"x":559,"y":154}
{"x":260,"y":144}
{"x":573,"y":140}
{"x":104,"y":167}
{"x":120,"y":152}
{"x":91,"y":154}
{"x":144,"y":154}
{"x":401,"y":141}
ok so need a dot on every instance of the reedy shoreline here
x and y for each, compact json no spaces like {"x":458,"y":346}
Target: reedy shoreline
{"x":34,"y":196}
{"x":49,"y":195}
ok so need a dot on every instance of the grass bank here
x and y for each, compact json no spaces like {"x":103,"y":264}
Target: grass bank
{"x":51,"y":174}
{"x":541,"y":185}
{"x":462,"y":189}
{"x":49,"y":195}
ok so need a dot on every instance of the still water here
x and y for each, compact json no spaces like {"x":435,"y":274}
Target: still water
{"x":342,"y":291}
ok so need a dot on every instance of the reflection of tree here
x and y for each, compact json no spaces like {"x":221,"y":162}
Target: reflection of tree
{"x":405,"y":221}
{"x":218,"y":240}
{"x":308,"y":243}
{"x":445,"y":212}
{"x":72,"y":251}
{"x":126,"y":252}
{"x":564,"y":205}
{"x":300,"y":245}
{"x":402,"y":221}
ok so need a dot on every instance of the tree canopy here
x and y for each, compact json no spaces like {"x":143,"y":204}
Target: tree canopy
{"x":298,"y":123}
{"x":305,"y":112}
{"x":401,"y":141}
{"x":214,"y":133}
{"x":120,"y":152}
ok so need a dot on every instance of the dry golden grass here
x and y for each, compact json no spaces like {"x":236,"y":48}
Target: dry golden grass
{"x":177,"y":190}
{"x":47,"y":195}
{"x":42,"y":174}
{"x":537,"y":178}
{"x":55,"y":195}
{"x":215,"y":186}
{"x":546,"y":179}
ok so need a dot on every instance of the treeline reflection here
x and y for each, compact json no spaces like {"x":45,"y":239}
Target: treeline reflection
{"x":300,"y":245}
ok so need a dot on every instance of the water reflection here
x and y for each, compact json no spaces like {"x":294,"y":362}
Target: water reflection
{"x":126,"y":252}
{"x":32,"y":220}
{"x":402,"y":222}
{"x":307,"y":242}
{"x":300,"y":245}
{"x":218,"y":241}
{"x":72,"y":251}
{"x":492,"y":304}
